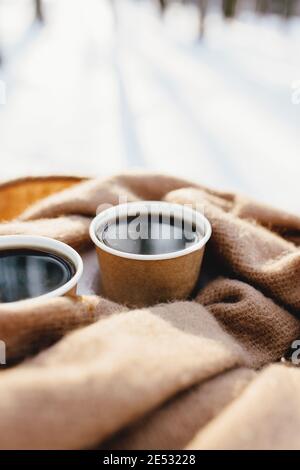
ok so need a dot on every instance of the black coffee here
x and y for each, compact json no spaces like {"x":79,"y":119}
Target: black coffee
{"x":27,"y":273}
{"x":149,"y":234}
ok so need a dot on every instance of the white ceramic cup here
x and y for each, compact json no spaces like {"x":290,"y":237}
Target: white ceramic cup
{"x":8,"y":242}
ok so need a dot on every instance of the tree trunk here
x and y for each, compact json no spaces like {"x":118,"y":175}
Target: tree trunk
{"x":262,"y":6}
{"x":39,"y":10}
{"x":229,"y":8}
{"x":289,"y":8}
{"x":162,"y":4}
{"x":202,"y":5}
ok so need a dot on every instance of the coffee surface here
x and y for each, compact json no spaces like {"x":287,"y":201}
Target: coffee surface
{"x":27,"y":273}
{"x":145,"y":235}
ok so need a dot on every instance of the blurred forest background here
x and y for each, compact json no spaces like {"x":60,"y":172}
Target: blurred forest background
{"x":204,"y":89}
{"x":231,"y":8}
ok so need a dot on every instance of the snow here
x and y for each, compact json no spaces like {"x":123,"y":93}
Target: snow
{"x":98,"y":90}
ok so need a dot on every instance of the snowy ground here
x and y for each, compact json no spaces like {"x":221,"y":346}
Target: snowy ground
{"x":99,"y":91}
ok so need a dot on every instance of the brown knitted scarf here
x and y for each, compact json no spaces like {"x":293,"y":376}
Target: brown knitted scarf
{"x":85,"y":372}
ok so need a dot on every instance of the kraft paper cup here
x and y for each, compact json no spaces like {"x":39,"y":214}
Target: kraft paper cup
{"x":53,"y":246}
{"x":138,"y":280}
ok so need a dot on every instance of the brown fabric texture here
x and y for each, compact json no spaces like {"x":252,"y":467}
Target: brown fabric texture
{"x":183,"y":374}
{"x":175,"y":424}
{"x":265,"y":416}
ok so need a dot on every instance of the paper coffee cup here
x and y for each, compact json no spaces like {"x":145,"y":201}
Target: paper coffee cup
{"x":50,"y":245}
{"x":138,"y":280}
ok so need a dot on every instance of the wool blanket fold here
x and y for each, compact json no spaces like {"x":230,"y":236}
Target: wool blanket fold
{"x":85,"y":372}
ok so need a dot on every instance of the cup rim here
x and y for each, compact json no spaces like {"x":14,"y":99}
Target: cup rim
{"x":53,"y":245}
{"x":107,"y":214}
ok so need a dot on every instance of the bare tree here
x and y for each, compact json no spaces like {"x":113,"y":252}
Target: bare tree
{"x":39,"y":10}
{"x":229,"y":8}
{"x":202,"y":5}
{"x":162,"y":4}
{"x":262,"y":6}
{"x":288,"y":8}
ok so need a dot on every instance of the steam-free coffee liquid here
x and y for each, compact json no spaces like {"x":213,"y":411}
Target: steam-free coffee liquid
{"x":149,"y":234}
{"x":27,"y":273}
